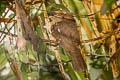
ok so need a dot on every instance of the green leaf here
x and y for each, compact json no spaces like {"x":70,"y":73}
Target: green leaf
{"x":62,"y":6}
{"x":24,"y":69}
{"x":72,"y":72}
{"x":107,"y":4}
{"x":3,"y":59}
{"x":2,"y":7}
{"x":62,"y":54}
{"x":81,"y":74}
{"x":107,"y":75}
{"x":94,"y":73}
{"x":11,"y":15}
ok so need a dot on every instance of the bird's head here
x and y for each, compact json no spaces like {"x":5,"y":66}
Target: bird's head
{"x":58,"y":16}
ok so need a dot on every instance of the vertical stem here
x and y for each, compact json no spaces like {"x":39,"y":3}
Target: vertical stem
{"x":52,"y":38}
{"x":14,"y":66}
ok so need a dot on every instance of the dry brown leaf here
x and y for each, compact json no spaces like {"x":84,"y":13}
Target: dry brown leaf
{"x":114,"y":62}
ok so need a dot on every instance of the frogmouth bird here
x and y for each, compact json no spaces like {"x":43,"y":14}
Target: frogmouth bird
{"x":64,"y":30}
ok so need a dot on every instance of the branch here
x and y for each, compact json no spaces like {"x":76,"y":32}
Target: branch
{"x":96,"y":56}
{"x":52,"y":38}
{"x":48,"y":65}
{"x":14,"y":66}
{"x":105,"y":36}
{"x":7,"y":20}
{"x":8,"y":33}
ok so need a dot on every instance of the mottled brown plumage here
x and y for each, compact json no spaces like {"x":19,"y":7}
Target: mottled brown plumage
{"x":65,"y":31}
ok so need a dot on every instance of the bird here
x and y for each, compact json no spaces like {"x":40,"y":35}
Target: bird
{"x":64,"y":30}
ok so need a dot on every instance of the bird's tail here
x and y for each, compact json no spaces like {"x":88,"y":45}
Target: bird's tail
{"x":78,"y":61}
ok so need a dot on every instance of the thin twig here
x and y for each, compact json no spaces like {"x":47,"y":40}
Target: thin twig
{"x":107,"y":35}
{"x":63,"y":1}
{"x":5,"y":24}
{"x":8,"y":32}
{"x":96,"y":56}
{"x":14,"y":66}
{"x":47,"y":65}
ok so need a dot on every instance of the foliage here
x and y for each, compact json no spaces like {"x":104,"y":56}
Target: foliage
{"x":98,"y":25}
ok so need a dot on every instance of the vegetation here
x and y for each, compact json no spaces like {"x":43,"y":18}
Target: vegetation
{"x":28,"y":51}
